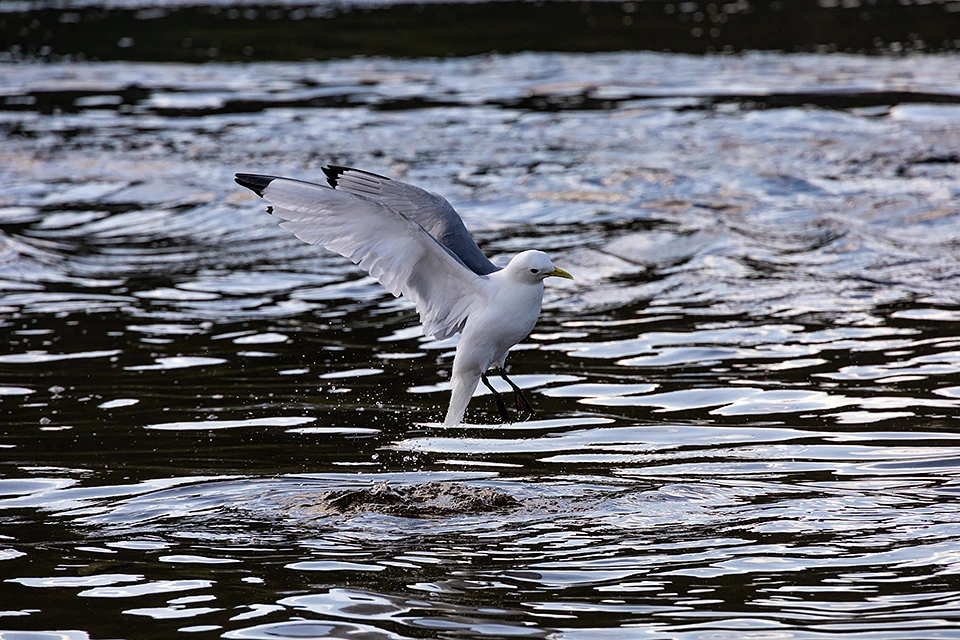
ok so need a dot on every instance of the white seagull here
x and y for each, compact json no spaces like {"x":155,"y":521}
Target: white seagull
{"x":415,"y":244}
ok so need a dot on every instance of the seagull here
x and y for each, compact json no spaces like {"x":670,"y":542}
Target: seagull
{"x":416,"y":245}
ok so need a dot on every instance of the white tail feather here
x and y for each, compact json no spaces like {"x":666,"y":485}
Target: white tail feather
{"x":462,"y":387}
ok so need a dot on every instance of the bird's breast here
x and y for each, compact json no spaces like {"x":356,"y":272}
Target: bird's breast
{"x":507,"y":317}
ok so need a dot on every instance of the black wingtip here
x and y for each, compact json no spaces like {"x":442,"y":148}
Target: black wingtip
{"x":333,"y":173}
{"x":254,"y":182}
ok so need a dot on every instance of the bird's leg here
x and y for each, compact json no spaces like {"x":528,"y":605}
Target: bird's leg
{"x":502,"y":408}
{"x":518,"y":396}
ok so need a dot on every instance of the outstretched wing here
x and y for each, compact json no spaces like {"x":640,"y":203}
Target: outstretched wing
{"x":388,"y":245}
{"x":429,"y":210}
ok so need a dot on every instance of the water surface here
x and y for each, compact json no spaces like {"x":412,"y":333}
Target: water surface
{"x":747,"y":400}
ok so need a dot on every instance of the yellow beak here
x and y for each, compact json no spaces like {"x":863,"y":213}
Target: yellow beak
{"x":560,"y":273}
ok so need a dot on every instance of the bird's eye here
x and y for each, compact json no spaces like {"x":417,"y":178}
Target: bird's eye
{"x":534,"y":270}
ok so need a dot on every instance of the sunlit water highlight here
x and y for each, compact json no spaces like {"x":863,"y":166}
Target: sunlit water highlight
{"x":746,"y":401}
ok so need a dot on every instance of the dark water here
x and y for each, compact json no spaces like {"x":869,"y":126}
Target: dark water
{"x":249,"y":30}
{"x":747,"y":400}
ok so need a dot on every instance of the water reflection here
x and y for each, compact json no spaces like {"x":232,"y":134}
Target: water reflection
{"x":572,"y":548}
{"x":746,"y":403}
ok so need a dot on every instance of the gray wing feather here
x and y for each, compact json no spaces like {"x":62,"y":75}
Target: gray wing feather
{"x":429,"y":210}
{"x":385,"y":243}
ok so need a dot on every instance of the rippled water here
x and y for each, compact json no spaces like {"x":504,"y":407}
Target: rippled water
{"x":747,"y":400}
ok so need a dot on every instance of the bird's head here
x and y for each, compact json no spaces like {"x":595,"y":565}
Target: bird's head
{"x":532,"y":267}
